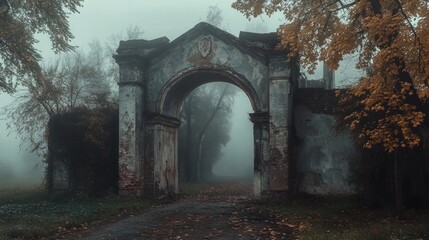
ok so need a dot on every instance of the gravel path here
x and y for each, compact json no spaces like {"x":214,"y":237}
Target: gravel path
{"x":217,"y":212}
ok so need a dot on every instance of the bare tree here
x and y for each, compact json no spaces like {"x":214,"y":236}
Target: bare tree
{"x":112,"y":69}
{"x":70,"y":81}
{"x":205,"y":129}
{"x":256,"y":26}
{"x":214,"y":17}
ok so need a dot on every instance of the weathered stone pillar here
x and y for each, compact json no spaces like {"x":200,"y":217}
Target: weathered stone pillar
{"x":279,"y":88}
{"x":130,"y":124}
{"x":261,"y":133}
{"x":161,"y":156}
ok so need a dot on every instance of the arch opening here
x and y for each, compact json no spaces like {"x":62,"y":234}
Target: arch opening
{"x":215,"y":142}
{"x":172,"y":102}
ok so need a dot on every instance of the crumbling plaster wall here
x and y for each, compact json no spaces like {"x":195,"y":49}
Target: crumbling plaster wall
{"x":165,"y":156}
{"x":280,"y":104}
{"x":325,"y":157}
{"x":131,"y":142}
{"x":261,"y":132}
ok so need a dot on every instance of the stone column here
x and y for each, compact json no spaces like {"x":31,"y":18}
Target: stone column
{"x":161,"y":156}
{"x":279,"y":88}
{"x":261,"y":140}
{"x":130,"y":124}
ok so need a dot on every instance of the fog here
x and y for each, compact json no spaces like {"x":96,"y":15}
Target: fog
{"x":237,"y":158}
{"x":18,"y":167}
{"x":97,"y":20}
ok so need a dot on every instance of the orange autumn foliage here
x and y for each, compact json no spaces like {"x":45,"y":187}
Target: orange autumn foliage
{"x":390,"y":39}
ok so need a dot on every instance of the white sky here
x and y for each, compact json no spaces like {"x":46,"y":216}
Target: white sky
{"x":100,"y":18}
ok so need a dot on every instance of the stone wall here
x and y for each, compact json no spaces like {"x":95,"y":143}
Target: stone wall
{"x":324,"y":156}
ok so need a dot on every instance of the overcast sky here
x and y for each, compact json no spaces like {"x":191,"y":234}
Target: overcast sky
{"x":100,"y":18}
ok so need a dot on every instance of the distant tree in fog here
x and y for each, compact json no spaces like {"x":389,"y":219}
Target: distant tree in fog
{"x":256,"y":26}
{"x":70,"y":81}
{"x":112,"y":68}
{"x":214,"y":17}
{"x":205,"y":130}
{"x":73,"y":80}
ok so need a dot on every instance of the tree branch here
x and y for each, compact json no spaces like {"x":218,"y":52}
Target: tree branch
{"x":413,"y":30}
{"x":344,"y":6}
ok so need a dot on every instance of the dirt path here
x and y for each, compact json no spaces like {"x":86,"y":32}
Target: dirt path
{"x":215,"y":212}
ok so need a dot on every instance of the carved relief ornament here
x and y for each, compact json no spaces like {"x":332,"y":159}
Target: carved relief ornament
{"x":205,"y":46}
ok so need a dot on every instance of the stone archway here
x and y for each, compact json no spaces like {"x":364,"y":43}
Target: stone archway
{"x":156,"y":76}
{"x":172,"y":97}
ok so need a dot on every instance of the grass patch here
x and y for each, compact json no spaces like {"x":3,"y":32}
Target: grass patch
{"x":32,"y":214}
{"x":344,"y":218}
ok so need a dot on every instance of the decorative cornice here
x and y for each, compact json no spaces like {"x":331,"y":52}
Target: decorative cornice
{"x":259,"y":117}
{"x":131,"y":83}
{"x":120,"y":58}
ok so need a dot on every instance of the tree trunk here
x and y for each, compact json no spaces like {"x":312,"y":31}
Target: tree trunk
{"x":199,"y":157}
{"x":204,"y":130}
{"x":412,"y":99}
{"x":397,"y":184}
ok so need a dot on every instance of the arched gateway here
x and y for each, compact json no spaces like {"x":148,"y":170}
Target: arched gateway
{"x":157,"y":75}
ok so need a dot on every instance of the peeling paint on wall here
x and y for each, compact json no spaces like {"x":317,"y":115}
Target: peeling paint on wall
{"x":279,"y":114}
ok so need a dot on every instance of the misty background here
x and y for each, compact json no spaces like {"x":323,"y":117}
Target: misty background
{"x":100,"y":19}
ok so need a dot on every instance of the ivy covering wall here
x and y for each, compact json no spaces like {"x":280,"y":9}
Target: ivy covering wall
{"x":85,"y":142}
